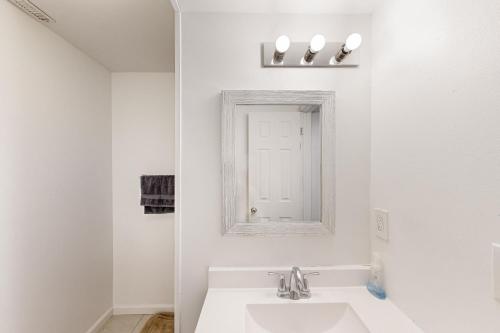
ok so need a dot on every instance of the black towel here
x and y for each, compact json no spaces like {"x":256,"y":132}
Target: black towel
{"x":158,"y":194}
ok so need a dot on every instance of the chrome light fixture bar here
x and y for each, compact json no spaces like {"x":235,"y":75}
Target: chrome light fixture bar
{"x":352,"y":43}
{"x":316,"y":53}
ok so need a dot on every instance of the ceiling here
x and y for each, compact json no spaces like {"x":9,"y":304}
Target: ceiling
{"x":139,"y":35}
{"x":280,"y":6}
{"x":123,"y":35}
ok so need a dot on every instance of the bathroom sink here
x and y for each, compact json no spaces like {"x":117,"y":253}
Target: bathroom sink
{"x":303,"y":318}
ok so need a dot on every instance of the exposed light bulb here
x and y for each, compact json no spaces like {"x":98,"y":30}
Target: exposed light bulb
{"x":317,"y":43}
{"x":353,"y":42}
{"x":282,"y":44}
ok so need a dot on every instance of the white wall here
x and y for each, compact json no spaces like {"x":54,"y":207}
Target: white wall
{"x":436,"y":158}
{"x":222,"y":51}
{"x":143,"y":143}
{"x":55,"y":181}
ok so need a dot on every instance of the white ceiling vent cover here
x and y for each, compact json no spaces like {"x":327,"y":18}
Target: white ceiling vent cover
{"x":32,"y":10}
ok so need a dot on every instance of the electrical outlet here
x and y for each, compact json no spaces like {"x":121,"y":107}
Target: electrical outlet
{"x":381,"y":223}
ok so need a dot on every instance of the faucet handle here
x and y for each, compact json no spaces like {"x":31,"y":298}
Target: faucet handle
{"x":282,"y":288}
{"x":306,"y":282}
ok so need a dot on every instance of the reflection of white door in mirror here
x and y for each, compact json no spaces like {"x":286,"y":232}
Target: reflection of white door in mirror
{"x":275,"y":166}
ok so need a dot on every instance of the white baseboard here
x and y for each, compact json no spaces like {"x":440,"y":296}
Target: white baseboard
{"x":96,"y":328}
{"x":142,"y":309}
{"x":128,"y":309}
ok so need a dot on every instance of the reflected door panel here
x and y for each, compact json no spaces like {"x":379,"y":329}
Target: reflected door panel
{"x":275,"y":166}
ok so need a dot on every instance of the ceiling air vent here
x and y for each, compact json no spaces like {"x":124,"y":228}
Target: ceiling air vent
{"x":32,"y":10}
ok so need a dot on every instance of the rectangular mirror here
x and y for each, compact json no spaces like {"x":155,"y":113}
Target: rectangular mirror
{"x":278,"y":162}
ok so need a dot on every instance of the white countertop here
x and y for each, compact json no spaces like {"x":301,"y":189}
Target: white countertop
{"x":224,"y":309}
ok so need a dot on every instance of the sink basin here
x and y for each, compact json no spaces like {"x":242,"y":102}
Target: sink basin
{"x":303,"y":318}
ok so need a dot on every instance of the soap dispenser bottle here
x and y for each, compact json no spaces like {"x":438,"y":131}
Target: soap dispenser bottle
{"x":376,"y":282}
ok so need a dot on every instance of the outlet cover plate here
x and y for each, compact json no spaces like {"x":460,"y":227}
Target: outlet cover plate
{"x":381,"y":217}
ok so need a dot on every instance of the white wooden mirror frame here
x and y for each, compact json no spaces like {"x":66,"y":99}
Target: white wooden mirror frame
{"x":326,"y":101}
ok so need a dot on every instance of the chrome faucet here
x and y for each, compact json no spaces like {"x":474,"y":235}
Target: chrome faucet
{"x":298,"y":286}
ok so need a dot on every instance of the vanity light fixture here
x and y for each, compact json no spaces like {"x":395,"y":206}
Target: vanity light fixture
{"x":352,"y":43}
{"x":317,"y":44}
{"x":317,"y":52}
{"x":281,"y":46}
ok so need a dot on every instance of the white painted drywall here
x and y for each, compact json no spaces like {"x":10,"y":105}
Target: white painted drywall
{"x":436,"y":158}
{"x":143,"y":143}
{"x":55,"y":181}
{"x":222,"y":51}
